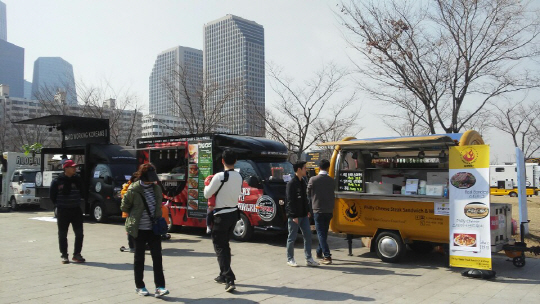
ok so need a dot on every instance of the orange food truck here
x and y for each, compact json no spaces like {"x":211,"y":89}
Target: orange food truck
{"x":395,"y":191}
{"x":183,"y":163}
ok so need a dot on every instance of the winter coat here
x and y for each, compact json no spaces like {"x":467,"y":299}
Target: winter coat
{"x":133,"y":204}
{"x":65,"y":192}
{"x":297,"y":202}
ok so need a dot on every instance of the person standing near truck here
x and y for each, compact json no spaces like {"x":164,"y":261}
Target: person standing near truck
{"x":297,"y":210}
{"x":65,"y":193}
{"x":142,"y":203}
{"x":229,"y":185}
{"x":321,"y":191}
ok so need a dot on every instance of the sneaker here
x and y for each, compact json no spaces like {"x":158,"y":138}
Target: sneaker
{"x":142,"y":291}
{"x":77,"y":258}
{"x":326,"y":261}
{"x":292,"y":263}
{"x":229,"y":287}
{"x":208,"y":230}
{"x":311,"y":262}
{"x":161,"y":291}
{"x":220,"y":280}
{"x":65,"y":259}
{"x":319,"y":255}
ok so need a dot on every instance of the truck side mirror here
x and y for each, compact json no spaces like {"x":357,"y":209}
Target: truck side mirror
{"x":253,"y":181}
{"x":107,"y":180}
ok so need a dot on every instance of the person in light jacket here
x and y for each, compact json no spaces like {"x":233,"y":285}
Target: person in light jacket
{"x":139,"y":226}
{"x":226,"y":215}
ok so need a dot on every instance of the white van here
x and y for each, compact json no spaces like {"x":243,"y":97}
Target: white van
{"x":19,"y":178}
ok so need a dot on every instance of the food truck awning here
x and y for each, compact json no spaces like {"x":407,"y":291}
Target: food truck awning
{"x":436,"y":141}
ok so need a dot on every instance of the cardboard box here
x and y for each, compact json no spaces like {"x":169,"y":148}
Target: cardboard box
{"x":435,"y":190}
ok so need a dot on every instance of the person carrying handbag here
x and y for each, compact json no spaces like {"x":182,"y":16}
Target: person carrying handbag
{"x":142,"y":202}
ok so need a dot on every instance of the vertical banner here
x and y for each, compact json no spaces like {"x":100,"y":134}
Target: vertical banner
{"x":522,"y":190}
{"x":470,"y":236}
{"x":200,"y":166}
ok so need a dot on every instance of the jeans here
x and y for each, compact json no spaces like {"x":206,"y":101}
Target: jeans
{"x":64,"y":217}
{"x":303,"y":223}
{"x":322,"y":223}
{"x":223,"y":226}
{"x":154,"y":242}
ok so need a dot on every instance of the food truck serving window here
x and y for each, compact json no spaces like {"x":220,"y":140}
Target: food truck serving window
{"x":276,"y":171}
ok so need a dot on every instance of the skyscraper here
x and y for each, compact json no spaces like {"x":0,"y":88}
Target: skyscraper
{"x":54,"y":74}
{"x":12,"y":67}
{"x":3,"y":21}
{"x":165,"y":79}
{"x":234,"y":58}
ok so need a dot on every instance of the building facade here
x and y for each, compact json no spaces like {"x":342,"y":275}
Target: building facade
{"x":51,"y":75}
{"x":12,"y":68}
{"x":173,"y":70}
{"x":3,"y":21}
{"x":234,"y":62}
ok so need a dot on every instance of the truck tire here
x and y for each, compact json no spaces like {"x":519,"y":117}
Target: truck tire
{"x":98,"y":212}
{"x":243,"y":231}
{"x":13,"y":204}
{"x":389,"y":247}
{"x":513,"y":194}
{"x":172,"y":228}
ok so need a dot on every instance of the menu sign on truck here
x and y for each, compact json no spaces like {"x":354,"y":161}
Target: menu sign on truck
{"x":200,"y":166}
{"x":470,"y":238}
{"x":351,"y":181}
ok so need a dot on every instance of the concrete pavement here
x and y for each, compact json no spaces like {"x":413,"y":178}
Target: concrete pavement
{"x":31,"y":272}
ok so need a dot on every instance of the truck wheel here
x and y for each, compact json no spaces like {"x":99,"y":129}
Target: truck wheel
{"x":14,"y":205}
{"x":513,"y":194}
{"x":390,"y":247}
{"x":421,"y":247}
{"x":243,"y":231}
{"x":172,"y":228}
{"x":519,"y":261}
{"x":98,"y":212}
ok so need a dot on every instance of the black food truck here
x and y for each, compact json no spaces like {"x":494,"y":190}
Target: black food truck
{"x":183,"y":163}
{"x":104,"y":167}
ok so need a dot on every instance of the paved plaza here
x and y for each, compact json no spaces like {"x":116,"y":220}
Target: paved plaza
{"x":31,"y":272}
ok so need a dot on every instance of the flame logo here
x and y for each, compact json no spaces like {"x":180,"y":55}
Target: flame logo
{"x":469,"y":156}
{"x":351,"y":212}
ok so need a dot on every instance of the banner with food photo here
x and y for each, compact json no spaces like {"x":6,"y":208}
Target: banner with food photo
{"x":468,"y":186}
{"x":198,"y":170}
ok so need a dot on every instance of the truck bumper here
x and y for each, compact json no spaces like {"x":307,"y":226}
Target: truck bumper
{"x":27,"y":200}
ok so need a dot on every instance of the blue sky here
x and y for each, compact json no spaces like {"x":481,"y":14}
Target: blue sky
{"x":117,"y":41}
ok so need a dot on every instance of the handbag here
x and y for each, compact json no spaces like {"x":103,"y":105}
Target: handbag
{"x":159,"y":225}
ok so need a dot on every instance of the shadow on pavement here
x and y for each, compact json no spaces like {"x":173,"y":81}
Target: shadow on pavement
{"x":301,"y":293}
{"x":207,"y":301}
{"x":124,"y":266}
{"x":185,"y":252}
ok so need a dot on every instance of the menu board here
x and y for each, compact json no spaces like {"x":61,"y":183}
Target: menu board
{"x":313,"y":159}
{"x":200,"y":166}
{"x":351,"y":181}
{"x":470,"y":235}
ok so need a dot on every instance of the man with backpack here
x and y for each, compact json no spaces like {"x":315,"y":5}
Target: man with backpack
{"x":228,"y":186}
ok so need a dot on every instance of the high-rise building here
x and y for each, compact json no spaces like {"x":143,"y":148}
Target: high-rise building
{"x":3,"y":21}
{"x":52,"y":75}
{"x":12,"y":67}
{"x":234,"y":61}
{"x":173,"y":66}
{"x":27,"y":89}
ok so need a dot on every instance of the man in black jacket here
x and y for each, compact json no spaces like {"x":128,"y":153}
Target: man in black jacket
{"x":297,"y":209}
{"x":65,"y":193}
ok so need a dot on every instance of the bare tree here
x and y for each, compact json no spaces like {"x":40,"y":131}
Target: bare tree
{"x":521,"y":122}
{"x":311,"y":112}
{"x":199,"y":103}
{"x":453,"y":56}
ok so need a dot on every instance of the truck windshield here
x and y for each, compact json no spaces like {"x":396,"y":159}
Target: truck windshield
{"x":276,"y":171}
{"x":29,"y":177}
{"x":122,"y":172}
